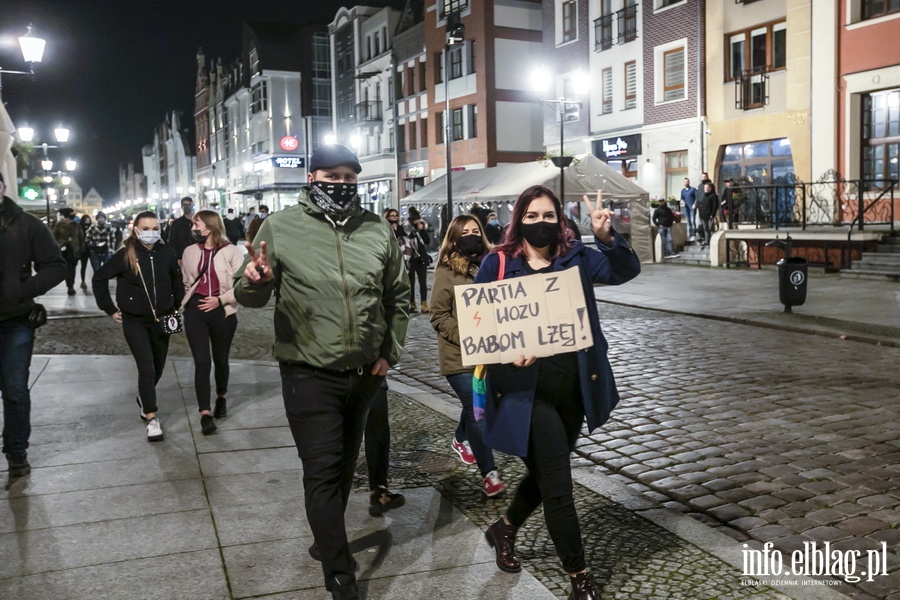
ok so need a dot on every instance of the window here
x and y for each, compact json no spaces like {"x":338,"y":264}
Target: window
{"x":630,"y":85}
{"x":260,"y":101}
{"x":454,"y":6}
{"x":676,"y":170}
{"x":603,"y":35}
{"x":673,"y":75}
{"x":456,"y":116}
{"x":877,"y":8}
{"x":881,"y":136}
{"x":758,"y":163}
{"x":628,"y":22}
{"x":439,"y":127}
{"x":411,"y":126}
{"x":569,"y":21}
{"x":456,"y":62}
{"x":606,"y":77}
{"x":471,"y":61}
{"x":473,"y":121}
{"x":421,"y":79}
{"x":665,"y":3}
{"x":439,"y":67}
{"x":254,"y":61}
{"x":423,"y":131}
{"x":757,"y":50}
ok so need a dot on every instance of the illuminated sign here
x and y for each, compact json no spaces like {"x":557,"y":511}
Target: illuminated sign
{"x":288,"y":162}
{"x":289,"y":143}
{"x":617,"y":147}
{"x":262,"y":165}
{"x":418,"y":171}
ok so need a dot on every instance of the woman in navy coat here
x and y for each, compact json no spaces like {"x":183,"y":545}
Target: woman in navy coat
{"x":535,"y":407}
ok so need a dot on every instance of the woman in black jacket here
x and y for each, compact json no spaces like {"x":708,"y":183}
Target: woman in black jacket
{"x":148,"y":286}
{"x":709,"y":205}
{"x":85,"y":256}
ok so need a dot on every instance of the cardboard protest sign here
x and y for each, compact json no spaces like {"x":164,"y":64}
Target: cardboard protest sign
{"x":538,"y":315}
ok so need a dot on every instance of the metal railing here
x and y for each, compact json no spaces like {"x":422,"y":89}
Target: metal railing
{"x":751,"y":89}
{"x":627,"y":23}
{"x":368,"y":112}
{"x":603,"y":35}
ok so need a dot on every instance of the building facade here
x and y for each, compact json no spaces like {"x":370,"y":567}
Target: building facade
{"x":168,"y":166}
{"x":411,"y":93}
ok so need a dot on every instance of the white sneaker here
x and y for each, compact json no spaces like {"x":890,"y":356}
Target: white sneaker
{"x":154,"y":430}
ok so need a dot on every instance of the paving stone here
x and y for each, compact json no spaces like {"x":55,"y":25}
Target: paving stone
{"x":826,"y":516}
{"x":861,"y":526}
{"x":705,"y":502}
{"x":759,"y":503}
{"x":767,"y":533}
{"x":729,"y":512}
{"x":879,"y":501}
{"x":826,"y":533}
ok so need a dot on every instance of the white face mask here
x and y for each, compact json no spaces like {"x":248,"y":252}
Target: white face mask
{"x":149,"y":237}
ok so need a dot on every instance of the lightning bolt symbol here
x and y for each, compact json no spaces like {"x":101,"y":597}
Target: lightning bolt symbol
{"x":477,"y":318}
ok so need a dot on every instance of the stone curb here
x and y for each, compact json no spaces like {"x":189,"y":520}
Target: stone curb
{"x":682,"y":526}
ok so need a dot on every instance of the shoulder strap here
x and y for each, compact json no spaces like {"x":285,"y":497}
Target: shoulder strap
{"x":146,"y":291}
{"x":205,"y":267}
{"x":502,"y":270}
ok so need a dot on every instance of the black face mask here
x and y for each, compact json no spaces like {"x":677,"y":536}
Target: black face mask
{"x":470,"y":245}
{"x":198,"y":237}
{"x":540,"y":234}
{"x":335,"y":199}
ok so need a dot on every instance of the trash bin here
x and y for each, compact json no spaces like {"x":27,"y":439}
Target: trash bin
{"x":792,"y":280}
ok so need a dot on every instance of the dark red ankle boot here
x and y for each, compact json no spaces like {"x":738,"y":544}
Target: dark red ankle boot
{"x":583,"y":587}
{"x":502,"y":538}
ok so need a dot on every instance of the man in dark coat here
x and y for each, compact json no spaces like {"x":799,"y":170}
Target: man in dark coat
{"x":234,"y":227}
{"x":664,"y":218}
{"x":30,"y":266}
{"x":709,"y":206}
{"x":70,"y":238}
{"x":180,"y":230}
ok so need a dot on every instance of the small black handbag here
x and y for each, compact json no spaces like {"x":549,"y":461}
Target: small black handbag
{"x":171,"y":323}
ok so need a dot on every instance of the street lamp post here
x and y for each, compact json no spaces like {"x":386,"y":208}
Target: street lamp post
{"x":26,"y":134}
{"x":579,"y":82}
{"x":32,"y":52}
{"x":455,"y":35}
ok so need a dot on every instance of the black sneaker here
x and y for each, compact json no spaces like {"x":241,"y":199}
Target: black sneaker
{"x":18,"y":467}
{"x":207,"y":424}
{"x":221,"y":408}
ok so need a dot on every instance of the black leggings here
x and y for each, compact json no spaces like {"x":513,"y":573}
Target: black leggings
{"x":202,"y":329}
{"x":555,"y":425}
{"x":149,"y":346}
{"x":85,"y":259}
{"x":417,"y":267}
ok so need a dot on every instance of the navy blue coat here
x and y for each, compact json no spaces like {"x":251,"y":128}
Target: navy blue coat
{"x":510,"y":389}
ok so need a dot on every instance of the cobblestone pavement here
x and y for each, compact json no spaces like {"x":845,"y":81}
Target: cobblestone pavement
{"x":767,"y":435}
{"x":630,"y":557}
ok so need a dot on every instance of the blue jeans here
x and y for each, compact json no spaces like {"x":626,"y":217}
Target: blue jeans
{"x":98,"y":260}
{"x":469,"y":428}
{"x":665,"y":235}
{"x":692,"y":224}
{"x":16,"y":346}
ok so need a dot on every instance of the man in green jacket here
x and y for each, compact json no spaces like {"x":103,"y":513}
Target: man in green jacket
{"x":341,"y":312}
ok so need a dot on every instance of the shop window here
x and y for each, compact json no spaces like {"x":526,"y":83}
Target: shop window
{"x":757,"y":163}
{"x":881,"y":137}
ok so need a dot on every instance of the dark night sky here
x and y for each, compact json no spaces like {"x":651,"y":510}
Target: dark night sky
{"x":113,"y":68}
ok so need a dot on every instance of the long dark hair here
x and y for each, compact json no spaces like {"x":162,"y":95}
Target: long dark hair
{"x":513,"y":243}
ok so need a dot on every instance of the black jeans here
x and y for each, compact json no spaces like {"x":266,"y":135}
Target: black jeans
{"x":71,"y":268}
{"x":420,"y":269}
{"x":84,"y":259}
{"x":149,"y":346}
{"x":378,"y":439}
{"x":326,"y":411}
{"x":555,"y":424}
{"x":16,"y":347}
{"x":202,"y":329}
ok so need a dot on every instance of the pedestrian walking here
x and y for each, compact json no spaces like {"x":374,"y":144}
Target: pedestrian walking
{"x":664,"y":218}
{"x":340,"y":322}
{"x":419,"y":260}
{"x":148,"y":286}
{"x":256,"y":223}
{"x":101,"y":242}
{"x":688,"y":199}
{"x":210,"y":310}
{"x":458,"y":259}
{"x":234,"y":227}
{"x":70,"y":239}
{"x":493,"y":230}
{"x":179,"y":232}
{"x":535,"y":407}
{"x":709,"y":206}
{"x":85,"y":256}
{"x":30,"y":266}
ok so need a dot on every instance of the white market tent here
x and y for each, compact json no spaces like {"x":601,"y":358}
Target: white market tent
{"x":498,"y":187}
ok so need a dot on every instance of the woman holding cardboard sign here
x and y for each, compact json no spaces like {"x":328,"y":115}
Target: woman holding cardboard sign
{"x":535,"y":407}
{"x":461,"y":252}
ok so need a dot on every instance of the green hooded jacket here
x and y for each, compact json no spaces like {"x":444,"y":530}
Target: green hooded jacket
{"x":341,"y":294}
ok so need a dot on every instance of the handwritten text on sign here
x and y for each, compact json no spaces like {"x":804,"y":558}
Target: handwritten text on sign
{"x":538,"y":315}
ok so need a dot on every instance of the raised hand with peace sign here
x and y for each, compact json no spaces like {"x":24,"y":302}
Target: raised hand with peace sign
{"x":601,"y":219}
{"x":257,"y":270}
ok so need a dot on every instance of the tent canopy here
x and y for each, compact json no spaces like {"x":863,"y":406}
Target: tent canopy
{"x":498,"y":188}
